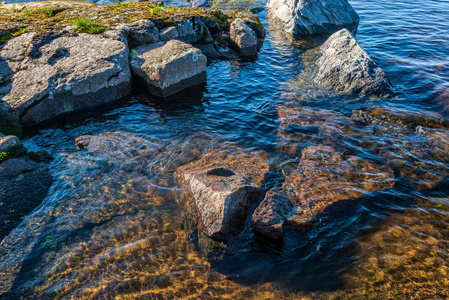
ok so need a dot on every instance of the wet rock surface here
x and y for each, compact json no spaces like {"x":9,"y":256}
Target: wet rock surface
{"x":166,"y":70}
{"x":344,"y":66}
{"x":323,"y":178}
{"x":223,"y":185}
{"x":306,"y":17}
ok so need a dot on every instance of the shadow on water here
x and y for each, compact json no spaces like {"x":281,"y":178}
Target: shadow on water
{"x":311,"y":260}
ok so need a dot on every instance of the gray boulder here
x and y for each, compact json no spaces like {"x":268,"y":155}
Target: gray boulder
{"x":345,"y":67}
{"x":200,"y":3}
{"x":49,"y":75}
{"x":222,"y":197}
{"x":140,"y":32}
{"x":168,"y":69}
{"x":305,"y":17}
{"x":10,"y":143}
{"x":243,"y":38}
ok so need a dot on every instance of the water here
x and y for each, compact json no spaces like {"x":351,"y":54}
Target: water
{"x":114,"y":224}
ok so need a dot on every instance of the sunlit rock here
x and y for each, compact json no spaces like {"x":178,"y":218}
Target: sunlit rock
{"x":166,"y":70}
{"x":306,"y":17}
{"x":51,"y":74}
{"x":223,"y":184}
{"x":243,"y":38}
{"x":345,"y":67}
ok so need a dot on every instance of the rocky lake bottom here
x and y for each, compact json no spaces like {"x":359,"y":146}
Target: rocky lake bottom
{"x":114,"y":223}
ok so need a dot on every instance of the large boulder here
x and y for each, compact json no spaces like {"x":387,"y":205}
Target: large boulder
{"x":166,"y":70}
{"x":22,"y":188}
{"x":345,"y":67}
{"x":223,"y":186}
{"x":46,"y":75}
{"x":323,"y":178}
{"x":243,"y":38}
{"x":305,"y":17}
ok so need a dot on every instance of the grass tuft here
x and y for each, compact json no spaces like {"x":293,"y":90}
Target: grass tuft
{"x":88,"y":26}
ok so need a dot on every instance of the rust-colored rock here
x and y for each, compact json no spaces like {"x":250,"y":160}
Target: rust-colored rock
{"x":223,"y":184}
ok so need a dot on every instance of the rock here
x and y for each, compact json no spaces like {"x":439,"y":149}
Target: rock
{"x":222,"y":197}
{"x":140,"y":32}
{"x":22,"y":188}
{"x":52,"y":75}
{"x":193,"y":30}
{"x":301,"y":127}
{"x":305,"y":17}
{"x":169,"y":33}
{"x":323,"y":178}
{"x":109,"y":142}
{"x":223,"y":185}
{"x":345,"y":67}
{"x":243,"y":38}
{"x":169,"y":69}
{"x":10,"y":143}
{"x":200,"y":3}
{"x":269,"y":216}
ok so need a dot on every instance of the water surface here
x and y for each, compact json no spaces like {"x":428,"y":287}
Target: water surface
{"x":114,"y":224}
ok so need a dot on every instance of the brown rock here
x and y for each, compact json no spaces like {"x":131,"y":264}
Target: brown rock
{"x":269,"y":216}
{"x":223,"y":185}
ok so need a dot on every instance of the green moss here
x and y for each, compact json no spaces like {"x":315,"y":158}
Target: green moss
{"x":13,"y":153}
{"x":88,"y":26}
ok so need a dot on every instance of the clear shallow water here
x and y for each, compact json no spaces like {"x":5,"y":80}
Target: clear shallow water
{"x":114,"y":223}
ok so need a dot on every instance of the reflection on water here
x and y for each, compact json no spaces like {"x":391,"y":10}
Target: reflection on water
{"x":115,"y":222}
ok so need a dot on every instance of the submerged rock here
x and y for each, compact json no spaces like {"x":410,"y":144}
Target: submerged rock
{"x":306,"y":17}
{"x":323,"y":178}
{"x":345,"y":67}
{"x":223,"y":185}
{"x":22,"y":188}
{"x":166,"y":70}
{"x":300,"y":127}
{"x":53,"y":74}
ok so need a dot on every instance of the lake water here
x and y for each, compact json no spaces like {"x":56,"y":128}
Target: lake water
{"x":114,"y":224}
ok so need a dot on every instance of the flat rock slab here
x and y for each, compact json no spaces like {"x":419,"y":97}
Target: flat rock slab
{"x":168,"y":69}
{"x":305,"y":17}
{"x":344,"y":66}
{"x":22,"y":188}
{"x":323,"y":178}
{"x":223,"y":185}
{"x":50,"y":74}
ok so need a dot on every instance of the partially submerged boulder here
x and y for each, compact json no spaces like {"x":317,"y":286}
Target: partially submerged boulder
{"x":168,"y":69}
{"x":51,"y":74}
{"x":323,"y":178}
{"x":344,"y":66}
{"x":10,"y":143}
{"x":223,"y":185}
{"x":305,"y":17}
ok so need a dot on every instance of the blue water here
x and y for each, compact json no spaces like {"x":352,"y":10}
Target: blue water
{"x":114,"y":225}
